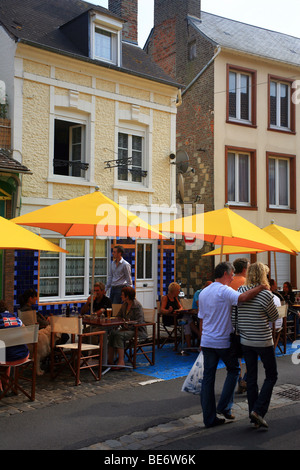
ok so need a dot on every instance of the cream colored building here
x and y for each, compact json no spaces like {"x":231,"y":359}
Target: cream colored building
{"x":88,"y":109}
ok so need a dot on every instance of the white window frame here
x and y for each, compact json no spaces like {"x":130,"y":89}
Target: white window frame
{"x":62,"y":296}
{"x":114,"y":28}
{"x":237,"y":202}
{"x":129,"y":184}
{"x":238,"y":118}
{"x":278,"y":125}
{"x":277,"y":183}
{"x":85,"y":149}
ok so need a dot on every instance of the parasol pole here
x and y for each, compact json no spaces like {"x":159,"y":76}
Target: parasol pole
{"x":275,"y":266}
{"x":222,"y":247}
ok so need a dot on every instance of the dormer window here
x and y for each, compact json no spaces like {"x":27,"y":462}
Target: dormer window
{"x":106,"y":37}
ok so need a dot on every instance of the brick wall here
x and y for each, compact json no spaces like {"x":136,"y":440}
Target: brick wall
{"x":128,"y":10}
{"x":169,"y":47}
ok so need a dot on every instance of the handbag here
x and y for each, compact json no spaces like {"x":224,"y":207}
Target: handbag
{"x":235,"y":340}
{"x":193,"y":382}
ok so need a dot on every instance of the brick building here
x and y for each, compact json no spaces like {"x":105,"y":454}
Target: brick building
{"x":238,"y":122}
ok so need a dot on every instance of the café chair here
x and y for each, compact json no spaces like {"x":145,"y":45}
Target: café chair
{"x":143,"y":347}
{"x":77,"y":354}
{"x":14,"y":337}
{"x":280,"y":334}
{"x":28,"y":317}
{"x":186,"y":303}
{"x":168,"y":329}
{"x":116,"y":309}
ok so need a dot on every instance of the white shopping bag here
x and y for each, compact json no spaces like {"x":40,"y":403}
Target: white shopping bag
{"x":193,"y":382}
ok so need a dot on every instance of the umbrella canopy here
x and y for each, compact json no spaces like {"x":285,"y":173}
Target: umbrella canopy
{"x":233,"y":250}
{"x":224,"y":227}
{"x":289,"y":237}
{"x":18,"y":238}
{"x":89,"y":215}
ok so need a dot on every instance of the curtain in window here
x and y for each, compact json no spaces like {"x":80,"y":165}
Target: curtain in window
{"x":245,"y":94}
{"x":272,"y":193}
{"x":103,"y":42}
{"x":232,"y":94}
{"x":231,"y":177}
{"x":273,"y":103}
{"x":283,"y":183}
{"x":244,"y":178}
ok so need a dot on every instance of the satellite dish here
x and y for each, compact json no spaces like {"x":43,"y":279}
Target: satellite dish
{"x":182,"y":161}
{"x":181,"y":186}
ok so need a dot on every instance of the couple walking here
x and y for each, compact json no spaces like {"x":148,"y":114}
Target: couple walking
{"x":256,"y":308}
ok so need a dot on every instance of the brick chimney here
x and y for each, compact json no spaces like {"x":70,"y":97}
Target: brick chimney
{"x":170,"y":35}
{"x":128,"y":11}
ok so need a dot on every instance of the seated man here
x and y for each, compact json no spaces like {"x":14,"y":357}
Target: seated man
{"x":100,"y":303}
{"x":14,"y":354}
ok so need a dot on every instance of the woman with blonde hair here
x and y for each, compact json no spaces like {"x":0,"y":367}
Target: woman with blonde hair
{"x":253,"y":319}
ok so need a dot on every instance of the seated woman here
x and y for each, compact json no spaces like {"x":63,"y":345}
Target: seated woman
{"x":289,"y":298}
{"x":27,"y":301}
{"x":170,"y":303}
{"x":131,"y":309}
{"x":14,"y":354}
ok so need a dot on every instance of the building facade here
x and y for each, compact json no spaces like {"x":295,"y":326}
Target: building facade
{"x":88,"y":108}
{"x":239,"y":121}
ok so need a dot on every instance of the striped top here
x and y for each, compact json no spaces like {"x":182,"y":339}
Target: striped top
{"x":254,"y":317}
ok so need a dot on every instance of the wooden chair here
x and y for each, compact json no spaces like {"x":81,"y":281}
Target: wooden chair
{"x":167,"y":333}
{"x":116,"y":309}
{"x":14,"y":337}
{"x":187,"y":303}
{"x":77,"y":355}
{"x":143,"y":347}
{"x":28,"y":317}
{"x":280,"y":334}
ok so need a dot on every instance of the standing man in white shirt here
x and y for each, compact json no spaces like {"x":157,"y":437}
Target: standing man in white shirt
{"x":215,"y":304}
{"x":119,"y":275}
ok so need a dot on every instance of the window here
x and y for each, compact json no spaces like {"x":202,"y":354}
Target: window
{"x":144,"y":261}
{"x":241,"y":100}
{"x":281,"y":107}
{"x":69,"y":149}
{"x":130,"y":158}
{"x":104,"y":44}
{"x":69,"y":274}
{"x":281,"y":182}
{"x":106,"y":38}
{"x":240,"y":177}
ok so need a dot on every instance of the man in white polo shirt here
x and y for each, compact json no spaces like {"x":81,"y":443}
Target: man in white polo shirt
{"x":215,"y":304}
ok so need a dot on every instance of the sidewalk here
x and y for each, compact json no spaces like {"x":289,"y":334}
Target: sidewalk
{"x":163,"y":434}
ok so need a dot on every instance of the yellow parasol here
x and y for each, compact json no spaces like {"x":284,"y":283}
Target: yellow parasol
{"x":18,"y":238}
{"x":91,"y":215}
{"x":224,"y":227}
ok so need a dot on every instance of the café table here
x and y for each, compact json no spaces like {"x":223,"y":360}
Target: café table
{"x":106,"y":324}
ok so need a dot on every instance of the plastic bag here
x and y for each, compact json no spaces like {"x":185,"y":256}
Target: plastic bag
{"x":193,"y":382}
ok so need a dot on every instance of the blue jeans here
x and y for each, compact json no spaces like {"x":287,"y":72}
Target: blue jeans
{"x":259,"y":401}
{"x":115,"y":294}
{"x":211,"y":359}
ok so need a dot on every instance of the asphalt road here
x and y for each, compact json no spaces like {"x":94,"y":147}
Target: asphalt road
{"x":88,"y":420}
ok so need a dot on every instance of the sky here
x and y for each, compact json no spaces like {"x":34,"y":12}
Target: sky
{"x":277,"y":15}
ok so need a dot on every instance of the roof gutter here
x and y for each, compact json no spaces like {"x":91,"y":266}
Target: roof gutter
{"x":203,"y":70}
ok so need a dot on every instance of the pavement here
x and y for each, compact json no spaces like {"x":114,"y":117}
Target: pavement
{"x":152,"y":381}
{"x":159,"y":437}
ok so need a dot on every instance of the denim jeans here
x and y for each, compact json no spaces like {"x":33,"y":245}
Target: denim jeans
{"x":115,"y":294}
{"x":259,"y":401}
{"x":211,"y":359}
